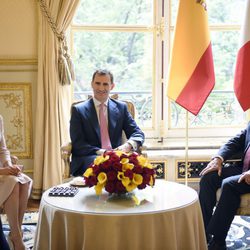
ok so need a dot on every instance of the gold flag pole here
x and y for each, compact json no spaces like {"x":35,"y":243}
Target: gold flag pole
{"x":186,"y":151}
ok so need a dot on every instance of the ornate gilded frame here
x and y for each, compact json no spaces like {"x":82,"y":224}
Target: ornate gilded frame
{"x":194,"y":168}
{"x":161,"y":169}
{"x":15,"y":107}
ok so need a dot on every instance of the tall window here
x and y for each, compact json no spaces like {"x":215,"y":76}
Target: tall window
{"x":133,"y":39}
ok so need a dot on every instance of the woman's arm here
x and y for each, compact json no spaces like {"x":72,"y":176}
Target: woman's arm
{"x":4,"y":152}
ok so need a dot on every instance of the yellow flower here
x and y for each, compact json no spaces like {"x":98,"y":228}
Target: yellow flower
{"x":137,"y":179}
{"x":119,"y":153}
{"x":131,"y":186}
{"x":98,"y":188}
{"x":120,"y":175}
{"x":151,"y":182}
{"x":127,"y":166}
{"x":100,"y":159}
{"x":125,"y":180}
{"x":102,"y":178}
{"x":142,"y":160}
{"x":136,"y":200}
{"x":124,"y":161}
{"x":149,"y":165}
{"x":88,"y":172}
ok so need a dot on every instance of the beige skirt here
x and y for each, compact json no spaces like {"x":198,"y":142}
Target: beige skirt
{"x":7,"y":183}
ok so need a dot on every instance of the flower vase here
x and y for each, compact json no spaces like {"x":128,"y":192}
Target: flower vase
{"x":120,"y":196}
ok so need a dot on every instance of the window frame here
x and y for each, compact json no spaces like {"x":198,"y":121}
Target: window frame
{"x":161,"y":134}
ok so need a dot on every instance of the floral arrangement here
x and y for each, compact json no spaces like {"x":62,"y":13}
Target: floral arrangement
{"x":119,"y":172}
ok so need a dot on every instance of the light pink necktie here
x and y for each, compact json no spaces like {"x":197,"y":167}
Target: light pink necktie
{"x":104,"y":129}
{"x":246,"y":161}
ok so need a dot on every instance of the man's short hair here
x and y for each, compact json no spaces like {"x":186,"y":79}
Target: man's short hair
{"x":102,"y":72}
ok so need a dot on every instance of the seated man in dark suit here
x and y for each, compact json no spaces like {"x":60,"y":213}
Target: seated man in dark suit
{"x":96,"y":125}
{"x":233,"y":181}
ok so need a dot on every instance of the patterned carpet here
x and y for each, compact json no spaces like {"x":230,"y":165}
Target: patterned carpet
{"x":238,"y":237}
{"x":239,"y":234}
{"x":28,"y":227}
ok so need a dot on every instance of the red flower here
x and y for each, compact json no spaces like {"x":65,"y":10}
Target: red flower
{"x":146,"y":178}
{"x":138,"y":170}
{"x":117,"y":166}
{"x":120,"y":188}
{"x":142,"y":186}
{"x":129,"y":173}
{"x":110,"y":187}
{"x":91,"y":181}
{"x":111,"y":175}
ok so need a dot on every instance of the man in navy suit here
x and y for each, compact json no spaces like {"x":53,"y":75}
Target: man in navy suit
{"x":233,"y":181}
{"x":85,"y":129}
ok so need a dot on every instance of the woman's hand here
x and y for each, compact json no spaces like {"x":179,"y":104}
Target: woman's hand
{"x":246,"y":177}
{"x":213,"y":165}
{"x":10,"y":170}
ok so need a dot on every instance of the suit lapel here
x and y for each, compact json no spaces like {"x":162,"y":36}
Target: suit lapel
{"x":92,"y":117}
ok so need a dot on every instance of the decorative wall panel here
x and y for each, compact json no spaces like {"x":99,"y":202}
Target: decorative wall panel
{"x":195,"y":167}
{"x":193,"y":170}
{"x":15,"y":107}
{"x":160,"y":167}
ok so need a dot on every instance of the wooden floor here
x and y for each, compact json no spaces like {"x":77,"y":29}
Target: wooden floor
{"x":33,"y":205}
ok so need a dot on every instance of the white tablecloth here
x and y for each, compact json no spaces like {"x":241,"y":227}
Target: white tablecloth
{"x":169,"y":217}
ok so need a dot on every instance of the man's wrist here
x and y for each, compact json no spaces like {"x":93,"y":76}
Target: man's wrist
{"x":218,"y":157}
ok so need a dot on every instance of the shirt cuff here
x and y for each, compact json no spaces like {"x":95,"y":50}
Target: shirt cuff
{"x":133,"y":144}
{"x":100,"y":151}
{"x":218,"y":156}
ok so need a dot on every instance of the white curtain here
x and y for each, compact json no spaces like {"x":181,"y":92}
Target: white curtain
{"x":53,"y":99}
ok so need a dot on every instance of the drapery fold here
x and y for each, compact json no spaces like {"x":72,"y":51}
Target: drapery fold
{"x":53,"y":99}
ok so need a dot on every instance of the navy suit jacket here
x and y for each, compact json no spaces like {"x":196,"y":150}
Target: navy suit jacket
{"x":237,"y":146}
{"x":85,"y":131}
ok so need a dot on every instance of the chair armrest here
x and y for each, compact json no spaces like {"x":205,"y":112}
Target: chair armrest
{"x":66,"y":154}
{"x":66,"y":150}
{"x":142,"y":150}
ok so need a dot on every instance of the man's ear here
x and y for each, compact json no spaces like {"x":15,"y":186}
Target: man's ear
{"x":112,"y":86}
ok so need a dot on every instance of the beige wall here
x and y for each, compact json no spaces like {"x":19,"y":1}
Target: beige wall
{"x":18,"y":28}
{"x":18,"y":51}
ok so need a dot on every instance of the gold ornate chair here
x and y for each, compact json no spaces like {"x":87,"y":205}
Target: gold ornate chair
{"x":66,"y":148}
{"x":244,"y":208}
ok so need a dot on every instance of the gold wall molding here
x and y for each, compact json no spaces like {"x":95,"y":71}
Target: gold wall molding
{"x":18,"y":61}
{"x":18,"y":70}
{"x":15,"y":107}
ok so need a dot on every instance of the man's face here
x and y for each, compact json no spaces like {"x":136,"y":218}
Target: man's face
{"x":102,"y":86}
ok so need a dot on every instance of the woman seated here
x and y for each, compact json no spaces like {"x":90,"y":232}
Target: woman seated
{"x":14,"y":193}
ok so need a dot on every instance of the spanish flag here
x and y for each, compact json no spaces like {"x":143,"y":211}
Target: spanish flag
{"x":242,"y":69}
{"x":191,"y":71}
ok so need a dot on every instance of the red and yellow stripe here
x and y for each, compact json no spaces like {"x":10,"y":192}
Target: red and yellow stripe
{"x":191,"y":72}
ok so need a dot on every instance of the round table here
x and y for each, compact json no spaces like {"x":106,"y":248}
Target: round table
{"x":169,"y":217}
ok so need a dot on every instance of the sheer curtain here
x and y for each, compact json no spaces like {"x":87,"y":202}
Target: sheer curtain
{"x":53,"y":98}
